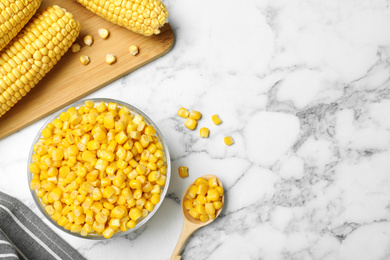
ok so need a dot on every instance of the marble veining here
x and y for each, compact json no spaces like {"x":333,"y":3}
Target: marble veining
{"x":303,"y":87}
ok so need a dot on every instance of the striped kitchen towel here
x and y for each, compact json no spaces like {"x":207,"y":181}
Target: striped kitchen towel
{"x":23,"y":235}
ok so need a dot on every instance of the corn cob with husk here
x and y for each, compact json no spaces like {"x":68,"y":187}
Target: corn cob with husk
{"x":140,"y":16}
{"x":34,"y":52}
{"x":14,"y":14}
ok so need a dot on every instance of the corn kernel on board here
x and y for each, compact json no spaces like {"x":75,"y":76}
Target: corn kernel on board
{"x":69,"y":80}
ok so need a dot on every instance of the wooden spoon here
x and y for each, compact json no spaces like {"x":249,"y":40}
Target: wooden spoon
{"x":191,"y":224}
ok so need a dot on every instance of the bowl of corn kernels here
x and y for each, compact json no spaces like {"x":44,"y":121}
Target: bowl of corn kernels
{"x":99,"y":169}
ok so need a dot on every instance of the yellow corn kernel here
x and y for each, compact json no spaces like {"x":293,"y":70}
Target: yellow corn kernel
{"x":49,"y":186}
{"x":49,"y":209}
{"x":88,"y":156}
{"x":87,"y":187}
{"x":204,"y":217}
{"x":191,"y":123}
{"x":55,"y":194}
{"x":34,"y":168}
{"x":193,"y":213}
{"x":108,"y":192}
{"x":103,"y":33}
{"x":62,"y":221}
{"x":200,"y":209}
{"x":155,"y":199}
{"x":141,"y":125}
{"x":56,"y":215}
{"x":121,"y":199}
{"x":98,"y":227}
{"x":118,"y":212}
{"x":75,"y":228}
{"x":108,"y":232}
{"x":135,"y":214}
{"x":183,"y":171}
{"x":202,"y":188}
{"x":123,"y":226}
{"x":131,"y":224}
{"x":201,"y":199}
{"x":213,"y":195}
{"x":80,"y":198}
{"x":204,"y":132}
{"x":137,"y":194}
{"x":228,"y":140}
{"x":41,"y":192}
{"x":213,"y":182}
{"x":133,"y":49}
{"x":183,"y":112}
{"x":92,"y":176}
{"x":145,"y":155}
{"x":149,"y":130}
{"x":126,"y":192}
{"x":84,"y":59}
{"x":88,"y":40}
{"x":35,"y":184}
{"x":154,"y":176}
{"x":76,"y":47}
{"x":135,"y":184}
{"x":93,"y":145}
{"x":101,"y":165}
{"x":119,"y":180}
{"x":57,"y":154}
{"x":96,"y":207}
{"x":209,"y":208}
{"x":149,"y":206}
{"x":141,"y":179}
{"x":110,"y":58}
{"x":193,"y":191}
{"x":187,"y":204}
{"x":217,"y":204}
{"x":101,"y":218}
{"x":46,"y":133}
{"x":87,"y":203}
{"x":220,"y":190}
{"x":216,"y":120}
{"x":195,"y":115}
{"x":119,"y":126}
{"x":161,"y":181}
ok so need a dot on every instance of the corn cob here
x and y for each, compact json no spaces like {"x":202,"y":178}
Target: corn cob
{"x":33,"y":52}
{"x":140,"y":16}
{"x":14,"y":14}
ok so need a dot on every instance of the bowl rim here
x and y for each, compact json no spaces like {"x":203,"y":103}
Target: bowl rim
{"x":133,"y":109}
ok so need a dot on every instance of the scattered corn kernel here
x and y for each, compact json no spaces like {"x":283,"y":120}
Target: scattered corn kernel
{"x":76,"y":47}
{"x":88,"y":40}
{"x":228,"y":140}
{"x":183,"y":171}
{"x":216,"y":120}
{"x":191,"y":123}
{"x":183,"y":112}
{"x":204,"y":132}
{"x":84,"y":59}
{"x":110,"y":58}
{"x":133,"y":49}
{"x":103,"y":33}
{"x":195,"y":114}
{"x":93,"y":174}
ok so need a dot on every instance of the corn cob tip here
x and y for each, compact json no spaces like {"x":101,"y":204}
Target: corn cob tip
{"x":144,"y":17}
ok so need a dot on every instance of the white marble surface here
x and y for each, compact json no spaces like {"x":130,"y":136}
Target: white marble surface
{"x":304,"y":89}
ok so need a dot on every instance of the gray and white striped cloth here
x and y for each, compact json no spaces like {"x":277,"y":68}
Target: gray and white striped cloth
{"x":23,"y":235}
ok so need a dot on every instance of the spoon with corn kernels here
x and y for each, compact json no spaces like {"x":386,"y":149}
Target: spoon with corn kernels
{"x":201,"y":204}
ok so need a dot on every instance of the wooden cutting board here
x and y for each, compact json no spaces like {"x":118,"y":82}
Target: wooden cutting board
{"x":69,"y":80}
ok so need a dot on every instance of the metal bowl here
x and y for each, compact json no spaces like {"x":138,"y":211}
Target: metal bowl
{"x":141,"y":221}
